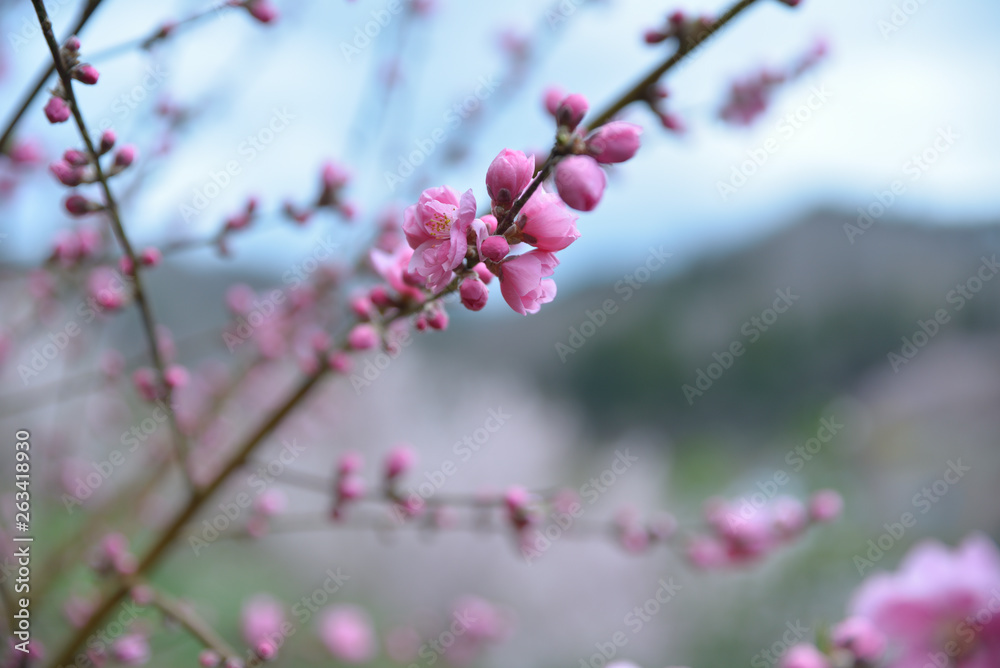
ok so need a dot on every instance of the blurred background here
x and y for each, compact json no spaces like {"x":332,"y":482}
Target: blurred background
{"x":873,"y":212}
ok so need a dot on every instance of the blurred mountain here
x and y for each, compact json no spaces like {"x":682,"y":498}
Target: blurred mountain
{"x":846,"y":307}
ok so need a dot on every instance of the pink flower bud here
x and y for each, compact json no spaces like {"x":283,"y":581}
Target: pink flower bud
{"x":654,"y":36}
{"x":125,"y":156}
{"x":86,"y":74}
{"x":553,"y":97}
{"x":350,"y":488}
{"x":78,"y":205}
{"x":491,"y":223}
{"x":75,"y":158}
{"x":572,"y":110}
{"x":825,"y":505}
{"x":495,"y":248}
{"x":362,"y":307}
{"x":208,"y":659}
{"x":176,"y":376}
{"x":151,"y":256}
{"x":340,"y":362}
{"x":860,"y":637}
{"x":474,"y":294}
{"x":72,"y":44}
{"x":616,"y":141}
{"x":399,"y":460}
{"x":580,"y":182}
{"x":363,"y":337}
{"x":672,"y":122}
{"x":131,"y":649}
{"x":438,"y":319}
{"x":108,"y":139}
{"x":804,"y":655}
{"x":508,"y":175}
{"x":262,"y":10}
{"x":262,"y":618}
{"x":125,"y":266}
{"x":347,"y":633}
{"x":349,"y":463}
{"x":335,"y":176}
{"x":144,"y":380}
{"x":270,"y":503}
{"x":485,"y":275}
{"x":379,"y":296}
{"x":66,"y":173}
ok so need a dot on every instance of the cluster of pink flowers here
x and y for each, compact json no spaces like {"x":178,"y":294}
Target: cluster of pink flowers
{"x":745,"y":533}
{"x":750,"y":96}
{"x":941,"y":608}
{"x":57,"y":108}
{"x":448,"y":241}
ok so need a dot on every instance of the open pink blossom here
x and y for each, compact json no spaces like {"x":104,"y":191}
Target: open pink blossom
{"x":523,"y":281}
{"x":932,"y":609}
{"x":347,"y":632}
{"x":436,"y":227}
{"x":546,"y":223}
{"x":508,"y":176}
{"x":580,"y":182}
{"x":394,"y":268}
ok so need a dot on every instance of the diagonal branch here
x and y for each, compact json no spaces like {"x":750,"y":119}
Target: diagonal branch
{"x":111,"y":207}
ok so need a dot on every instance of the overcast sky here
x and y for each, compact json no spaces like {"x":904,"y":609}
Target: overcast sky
{"x":886,"y":96}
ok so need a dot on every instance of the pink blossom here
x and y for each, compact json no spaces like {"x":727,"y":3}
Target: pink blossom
{"x":473,"y":293}
{"x":125,"y":156}
{"x":484,"y":273}
{"x":508,"y":176}
{"x":436,"y":227}
{"x":86,"y":74}
{"x":572,"y":110}
{"x":108,"y":139}
{"x":270,"y":503}
{"x":347,"y":632}
{"x":616,"y":141}
{"x":78,"y":205}
{"x":546,"y":223}
{"x":580,"y":182}
{"x":825,"y":505}
{"x":552,"y":98}
{"x":394,"y":268}
{"x":262,"y":618}
{"x":25,"y":153}
{"x":176,"y":376}
{"x":523,"y":281}
{"x":350,"y":462}
{"x":131,"y":649}
{"x":495,"y":248}
{"x":56,"y":110}
{"x":804,"y":655}
{"x":75,"y":158}
{"x":399,"y":460}
{"x":144,"y":380}
{"x":924,"y":608}
{"x":150,"y":256}
{"x":67,"y":174}
{"x":262,"y":10}
{"x":363,"y":337}
{"x":335,"y":176}
{"x":859,"y":636}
